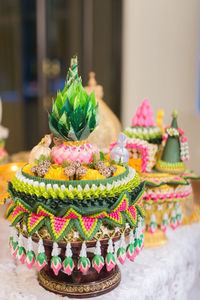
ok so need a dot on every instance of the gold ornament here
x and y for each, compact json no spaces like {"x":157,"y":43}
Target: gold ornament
{"x":154,"y":240}
{"x":159,"y":120}
{"x":109,"y":125}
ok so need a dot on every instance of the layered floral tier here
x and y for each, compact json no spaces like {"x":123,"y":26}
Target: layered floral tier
{"x":76,"y":209}
{"x":143,"y":125}
{"x":60,"y":205}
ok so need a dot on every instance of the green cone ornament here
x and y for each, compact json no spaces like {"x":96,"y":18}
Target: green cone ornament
{"x":74,"y":114}
{"x":171,"y":161}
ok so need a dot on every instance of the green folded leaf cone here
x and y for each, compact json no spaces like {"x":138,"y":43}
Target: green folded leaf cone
{"x":74,"y":114}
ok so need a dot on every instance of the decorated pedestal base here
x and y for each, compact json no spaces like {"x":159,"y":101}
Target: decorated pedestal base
{"x":103,"y":283}
{"x":78,"y":285}
{"x":73,"y":271}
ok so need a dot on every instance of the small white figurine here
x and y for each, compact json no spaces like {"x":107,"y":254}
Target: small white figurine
{"x":119,"y":153}
{"x":41,"y":149}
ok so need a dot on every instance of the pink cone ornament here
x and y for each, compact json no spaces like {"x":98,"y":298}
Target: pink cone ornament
{"x":143,"y":225}
{"x":110,"y":259}
{"x":152,"y":228}
{"x":84,"y":262}
{"x":173,"y":221}
{"x":21,"y":252}
{"x":121,"y":252}
{"x":130,"y":250}
{"x":140,"y":230}
{"x":98,"y":260}
{"x":56,"y":263}
{"x":164,"y":224}
{"x":10,"y":241}
{"x":141,"y":241}
{"x":13,"y":248}
{"x":83,"y":265}
{"x":138,"y":244}
{"x":121,"y":255}
{"x":30,"y":255}
{"x":179,"y":215}
{"x":30,"y":259}
{"x":13,"y":241}
{"x":41,"y":260}
{"x":68,"y":264}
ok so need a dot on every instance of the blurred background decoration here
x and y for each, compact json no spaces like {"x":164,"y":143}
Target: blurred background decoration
{"x":38,"y":38}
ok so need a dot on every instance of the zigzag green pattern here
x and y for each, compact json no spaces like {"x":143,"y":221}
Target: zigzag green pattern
{"x":38,"y":224}
{"x":81,"y":229}
{"x":10,"y":209}
{"x":51,"y":229}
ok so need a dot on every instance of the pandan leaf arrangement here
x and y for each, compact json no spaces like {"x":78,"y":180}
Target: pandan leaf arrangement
{"x":74,"y":114}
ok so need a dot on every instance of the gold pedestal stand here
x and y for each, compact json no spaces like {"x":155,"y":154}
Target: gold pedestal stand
{"x":194,"y":217}
{"x":89,"y":286}
{"x":157,"y":239}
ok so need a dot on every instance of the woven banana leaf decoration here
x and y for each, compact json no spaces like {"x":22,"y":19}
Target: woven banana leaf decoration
{"x":74,"y":114}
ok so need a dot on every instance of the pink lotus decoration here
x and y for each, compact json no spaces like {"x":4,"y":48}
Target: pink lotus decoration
{"x":82,"y":153}
{"x":144,"y":115}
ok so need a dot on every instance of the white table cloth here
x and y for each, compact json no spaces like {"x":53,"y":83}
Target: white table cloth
{"x":171,"y":272}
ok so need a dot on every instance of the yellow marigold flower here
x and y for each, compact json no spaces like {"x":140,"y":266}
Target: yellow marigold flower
{"x":56,"y":174}
{"x":27,"y":169}
{"x":135,"y":164}
{"x":92,"y":174}
{"x":120,"y":170}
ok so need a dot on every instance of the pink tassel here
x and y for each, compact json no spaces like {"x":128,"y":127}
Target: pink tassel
{"x":56,"y":263}
{"x":30,"y":255}
{"x":41,"y":260}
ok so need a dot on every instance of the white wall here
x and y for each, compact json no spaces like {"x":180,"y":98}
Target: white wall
{"x":160,"y":49}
